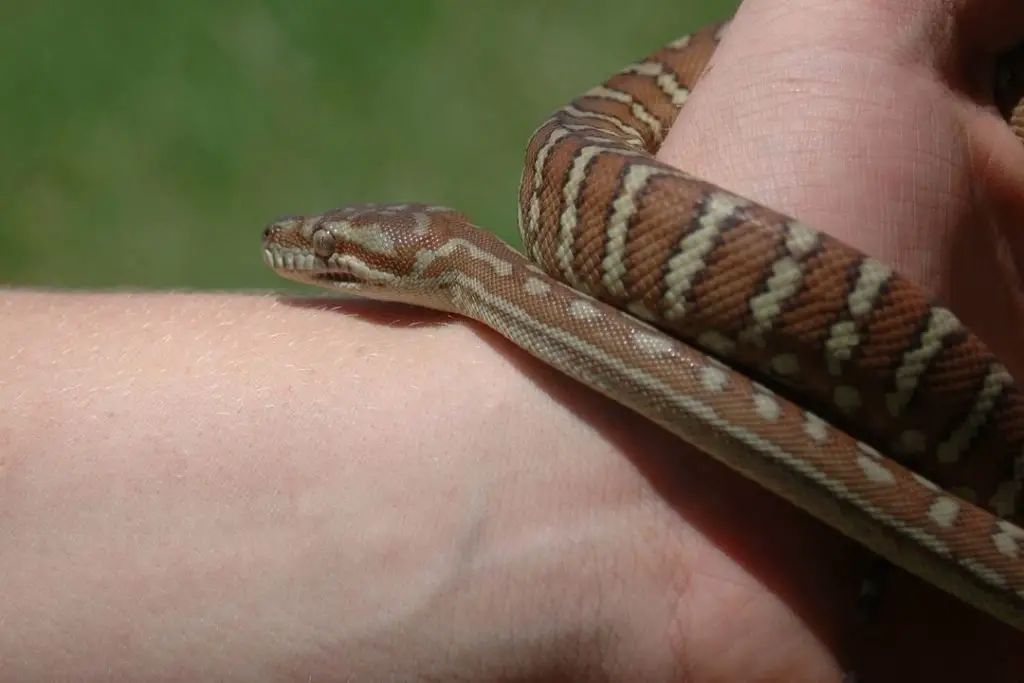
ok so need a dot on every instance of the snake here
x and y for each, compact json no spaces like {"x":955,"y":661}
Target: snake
{"x":798,"y":361}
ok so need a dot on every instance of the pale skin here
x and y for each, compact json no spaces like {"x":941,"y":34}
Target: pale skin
{"x":240,"y":488}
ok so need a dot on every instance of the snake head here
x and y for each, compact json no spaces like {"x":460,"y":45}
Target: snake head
{"x":375,"y":250}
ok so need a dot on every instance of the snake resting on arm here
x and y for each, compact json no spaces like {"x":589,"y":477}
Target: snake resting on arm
{"x":886,"y":417}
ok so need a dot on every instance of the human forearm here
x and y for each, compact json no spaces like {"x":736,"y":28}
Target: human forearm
{"x":193,"y":484}
{"x":212,"y":487}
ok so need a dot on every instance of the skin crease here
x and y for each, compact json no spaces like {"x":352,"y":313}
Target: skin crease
{"x":213,"y":487}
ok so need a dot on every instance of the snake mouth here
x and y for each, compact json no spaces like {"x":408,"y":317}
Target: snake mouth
{"x":303,"y":266}
{"x":336,"y":277}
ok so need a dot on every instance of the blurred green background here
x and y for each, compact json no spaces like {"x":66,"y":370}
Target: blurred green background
{"x":146,"y":145}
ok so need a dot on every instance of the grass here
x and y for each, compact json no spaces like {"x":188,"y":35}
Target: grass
{"x":146,"y":145}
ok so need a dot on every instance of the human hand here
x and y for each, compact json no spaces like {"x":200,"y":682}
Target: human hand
{"x":872,"y":121}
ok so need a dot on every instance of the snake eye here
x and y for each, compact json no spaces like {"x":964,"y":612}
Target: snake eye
{"x":323,"y":242}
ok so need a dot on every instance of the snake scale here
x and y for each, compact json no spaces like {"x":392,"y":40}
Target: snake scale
{"x":798,"y":361}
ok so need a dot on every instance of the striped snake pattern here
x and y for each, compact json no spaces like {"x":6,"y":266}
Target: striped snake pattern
{"x":786,"y":354}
